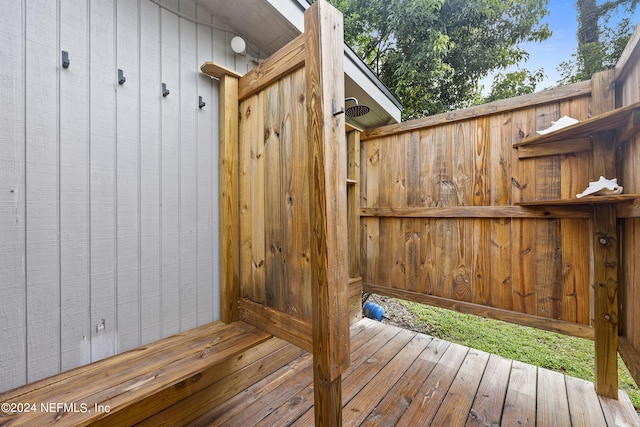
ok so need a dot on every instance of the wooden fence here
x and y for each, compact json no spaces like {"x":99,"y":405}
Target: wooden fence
{"x":472,"y":211}
{"x":439,"y":214}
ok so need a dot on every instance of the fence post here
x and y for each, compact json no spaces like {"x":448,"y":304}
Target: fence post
{"x":606,"y":247}
{"x":324,"y":49}
{"x":229,"y":215}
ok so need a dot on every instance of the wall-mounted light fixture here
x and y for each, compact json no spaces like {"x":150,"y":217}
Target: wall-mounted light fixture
{"x":238,"y":45}
{"x":65,"y":59}
{"x":121,"y":77}
{"x":165,"y":91}
{"x":201,"y":103}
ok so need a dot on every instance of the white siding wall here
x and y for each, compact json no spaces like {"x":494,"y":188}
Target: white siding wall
{"x":108,"y":192}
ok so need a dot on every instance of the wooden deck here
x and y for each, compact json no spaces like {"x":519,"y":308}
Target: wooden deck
{"x":399,"y":377}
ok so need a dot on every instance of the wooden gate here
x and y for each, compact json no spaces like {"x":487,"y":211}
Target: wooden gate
{"x":283,"y":200}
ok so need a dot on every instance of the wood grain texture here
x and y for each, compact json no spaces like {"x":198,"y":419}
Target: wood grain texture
{"x":492,"y":389}
{"x":274,"y":232}
{"x":486,"y":211}
{"x":512,"y":104}
{"x":353,"y":202}
{"x":583,"y":403}
{"x":246,"y":132}
{"x":277,"y":323}
{"x":473,"y":244}
{"x":552,"y":406}
{"x":143,"y":382}
{"x":520,"y":400}
{"x":606,"y":301}
{"x":605,"y":247}
{"x":285,"y":61}
{"x":431,"y":386}
{"x":229,"y":199}
{"x":297,"y":295}
{"x":327,"y":175}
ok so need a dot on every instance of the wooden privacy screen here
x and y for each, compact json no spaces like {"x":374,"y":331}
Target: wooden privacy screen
{"x":289,"y":189}
{"x":439,"y":218}
{"x":283,"y":215}
{"x":275,"y":234}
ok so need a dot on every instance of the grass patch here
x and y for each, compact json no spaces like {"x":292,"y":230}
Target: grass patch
{"x":568,"y":355}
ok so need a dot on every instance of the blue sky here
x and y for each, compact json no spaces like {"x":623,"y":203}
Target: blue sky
{"x":558,"y":48}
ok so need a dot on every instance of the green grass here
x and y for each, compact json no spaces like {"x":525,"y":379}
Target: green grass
{"x":569,"y":355}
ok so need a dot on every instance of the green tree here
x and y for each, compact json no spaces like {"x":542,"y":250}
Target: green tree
{"x":514,"y":83}
{"x":599,"y":42}
{"x":433,"y":53}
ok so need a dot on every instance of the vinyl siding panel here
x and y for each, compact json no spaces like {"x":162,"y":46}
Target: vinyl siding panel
{"x":109,"y":201}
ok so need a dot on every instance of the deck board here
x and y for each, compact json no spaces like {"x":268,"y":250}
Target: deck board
{"x":552,"y":405}
{"x":584,"y":404}
{"x":488,"y":403}
{"x":399,"y":377}
{"x":520,"y":402}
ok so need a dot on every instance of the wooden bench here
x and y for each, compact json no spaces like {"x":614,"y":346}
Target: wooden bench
{"x":131,"y":386}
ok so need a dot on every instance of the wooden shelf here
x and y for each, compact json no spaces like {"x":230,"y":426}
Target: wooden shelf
{"x":217,"y":71}
{"x":625,"y":120}
{"x":588,"y":200}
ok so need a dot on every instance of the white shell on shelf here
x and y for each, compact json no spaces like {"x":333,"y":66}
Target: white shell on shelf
{"x":559,"y":124}
{"x":602,"y":187}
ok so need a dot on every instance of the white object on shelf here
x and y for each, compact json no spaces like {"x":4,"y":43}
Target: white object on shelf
{"x":602,"y":187}
{"x":563,"y":122}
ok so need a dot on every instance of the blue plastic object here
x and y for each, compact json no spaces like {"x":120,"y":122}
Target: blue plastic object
{"x":373,"y":311}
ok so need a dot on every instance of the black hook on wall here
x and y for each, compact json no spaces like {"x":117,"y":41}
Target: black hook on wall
{"x":201,"y":103}
{"x":165,"y":91}
{"x":121,"y":77}
{"x":65,"y":59}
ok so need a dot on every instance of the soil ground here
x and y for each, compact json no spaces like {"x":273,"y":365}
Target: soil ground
{"x":397,"y":314}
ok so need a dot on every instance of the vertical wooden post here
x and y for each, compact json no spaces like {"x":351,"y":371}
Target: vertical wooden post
{"x":605,"y":248}
{"x":606,"y":300}
{"x":229,"y":215}
{"x":328,"y":210}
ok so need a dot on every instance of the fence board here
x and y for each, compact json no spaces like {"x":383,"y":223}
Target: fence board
{"x":273,"y":196}
{"x":298,"y":250}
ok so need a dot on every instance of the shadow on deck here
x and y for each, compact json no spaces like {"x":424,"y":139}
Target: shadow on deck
{"x":400,"y":377}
